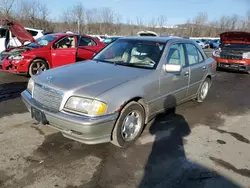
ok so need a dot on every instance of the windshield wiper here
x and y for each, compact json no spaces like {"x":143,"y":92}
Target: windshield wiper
{"x":124,"y":64}
{"x":105,"y":61}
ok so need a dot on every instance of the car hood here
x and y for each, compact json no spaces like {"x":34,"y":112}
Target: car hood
{"x":88,"y":78}
{"x":235,"y":37}
{"x":19,"y":31}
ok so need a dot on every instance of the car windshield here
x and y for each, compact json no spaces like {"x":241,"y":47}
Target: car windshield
{"x":134,"y":53}
{"x":108,"y":40}
{"x":43,"y":41}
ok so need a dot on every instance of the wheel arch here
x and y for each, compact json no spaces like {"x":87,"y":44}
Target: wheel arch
{"x":139,"y":100}
{"x":37,"y":57}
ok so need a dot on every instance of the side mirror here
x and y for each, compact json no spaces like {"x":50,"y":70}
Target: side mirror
{"x":172,"y":68}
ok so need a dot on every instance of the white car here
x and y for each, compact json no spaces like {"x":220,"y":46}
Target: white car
{"x":14,"y":42}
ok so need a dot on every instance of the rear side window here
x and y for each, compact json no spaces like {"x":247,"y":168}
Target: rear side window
{"x":201,"y":58}
{"x":193,"y":54}
{"x":85,"y":41}
{"x":2,"y":32}
{"x":33,"y":33}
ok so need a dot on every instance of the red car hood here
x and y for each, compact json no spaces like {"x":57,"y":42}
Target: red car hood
{"x":235,"y":37}
{"x":19,"y":31}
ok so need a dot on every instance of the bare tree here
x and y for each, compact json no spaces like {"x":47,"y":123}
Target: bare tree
{"x":139,"y":21}
{"x":162,"y":24}
{"x":33,"y":14}
{"x":7,"y":7}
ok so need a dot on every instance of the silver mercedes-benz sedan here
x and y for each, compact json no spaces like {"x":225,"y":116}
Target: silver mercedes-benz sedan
{"x":124,"y":86}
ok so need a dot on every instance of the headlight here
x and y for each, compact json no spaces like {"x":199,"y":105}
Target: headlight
{"x":15,"y":57}
{"x":216,"y":53}
{"x":85,"y":106}
{"x":246,"y":55}
{"x":30,"y":85}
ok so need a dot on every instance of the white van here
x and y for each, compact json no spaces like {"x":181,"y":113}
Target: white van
{"x":14,"y":42}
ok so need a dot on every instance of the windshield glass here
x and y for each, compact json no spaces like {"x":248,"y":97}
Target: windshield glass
{"x":43,"y":41}
{"x":236,"y":46}
{"x":135,"y":53}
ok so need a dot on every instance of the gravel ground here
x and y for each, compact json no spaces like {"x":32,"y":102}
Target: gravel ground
{"x":197,"y":145}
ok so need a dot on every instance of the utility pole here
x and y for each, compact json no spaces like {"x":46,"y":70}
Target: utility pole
{"x":78,"y":26}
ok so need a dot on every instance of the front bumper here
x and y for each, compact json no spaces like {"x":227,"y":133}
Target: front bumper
{"x":15,"y":66}
{"x":84,"y":129}
{"x":234,"y":66}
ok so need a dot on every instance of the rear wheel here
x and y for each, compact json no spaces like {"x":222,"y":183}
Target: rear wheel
{"x":203,"y":91}
{"x":129,"y":125}
{"x":36,"y":66}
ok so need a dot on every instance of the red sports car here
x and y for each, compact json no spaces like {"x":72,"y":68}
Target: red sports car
{"x":47,"y":52}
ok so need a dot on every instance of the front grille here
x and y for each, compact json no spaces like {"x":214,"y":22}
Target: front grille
{"x":47,"y":96}
{"x":231,"y":54}
{"x":235,"y":57}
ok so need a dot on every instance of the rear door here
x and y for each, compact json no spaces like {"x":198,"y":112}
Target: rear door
{"x":64,"y":51}
{"x":87,"y":47}
{"x":198,"y":68}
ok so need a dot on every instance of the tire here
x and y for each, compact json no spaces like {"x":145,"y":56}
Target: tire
{"x":38,"y":64}
{"x":130,"y":111}
{"x":203,"y":91}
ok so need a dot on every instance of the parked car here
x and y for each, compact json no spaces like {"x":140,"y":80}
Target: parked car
{"x":109,"y":40}
{"x":202,"y":45}
{"x":147,"y":33}
{"x":112,"y":96}
{"x":47,"y":52}
{"x":234,"y":52}
{"x":12,"y":40}
{"x":215,"y":44}
{"x":207,"y":43}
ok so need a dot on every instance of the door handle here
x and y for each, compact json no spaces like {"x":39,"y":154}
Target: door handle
{"x":204,"y":68}
{"x":186,"y":73}
{"x":53,"y":54}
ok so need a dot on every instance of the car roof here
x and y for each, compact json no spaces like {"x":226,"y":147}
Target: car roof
{"x":155,"y":39}
{"x":62,"y":34}
{"x":68,"y":34}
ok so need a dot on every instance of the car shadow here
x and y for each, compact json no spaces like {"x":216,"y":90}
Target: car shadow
{"x":12,"y":90}
{"x":168,"y":165}
{"x":10,"y":101}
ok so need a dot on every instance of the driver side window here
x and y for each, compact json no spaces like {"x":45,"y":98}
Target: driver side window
{"x":176,"y":55}
{"x":66,"y":42}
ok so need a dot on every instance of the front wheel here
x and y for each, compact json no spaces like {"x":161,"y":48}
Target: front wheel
{"x":203,"y":91}
{"x":129,"y":125}
{"x":36,"y":66}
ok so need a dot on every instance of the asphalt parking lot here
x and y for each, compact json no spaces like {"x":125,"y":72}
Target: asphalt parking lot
{"x":197,"y":145}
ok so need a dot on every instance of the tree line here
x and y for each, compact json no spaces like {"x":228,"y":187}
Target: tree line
{"x":77,"y":18}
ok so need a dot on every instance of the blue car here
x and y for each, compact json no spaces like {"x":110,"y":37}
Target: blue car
{"x":215,"y":43}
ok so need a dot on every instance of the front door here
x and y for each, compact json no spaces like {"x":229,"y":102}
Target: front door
{"x":174,"y":86}
{"x":198,"y":68}
{"x":64,"y":51}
